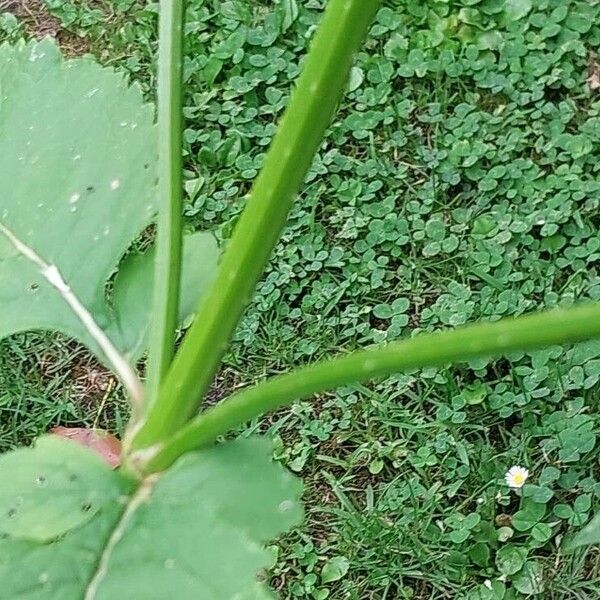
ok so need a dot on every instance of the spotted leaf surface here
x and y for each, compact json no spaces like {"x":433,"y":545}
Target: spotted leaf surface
{"x":196,"y":532}
{"x":77,"y":185}
{"x":52,"y":488}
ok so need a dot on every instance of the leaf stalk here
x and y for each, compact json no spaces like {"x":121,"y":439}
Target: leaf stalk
{"x":167,"y":279}
{"x":298,"y":137}
{"x":425,"y":350}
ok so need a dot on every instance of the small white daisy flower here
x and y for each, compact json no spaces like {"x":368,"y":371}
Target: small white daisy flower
{"x":516,"y":477}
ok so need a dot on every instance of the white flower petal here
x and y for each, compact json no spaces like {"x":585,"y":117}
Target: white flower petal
{"x":516,"y":477}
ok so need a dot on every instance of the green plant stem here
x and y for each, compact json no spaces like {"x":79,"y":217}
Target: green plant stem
{"x":298,"y":137}
{"x":425,"y":350}
{"x":167,"y":278}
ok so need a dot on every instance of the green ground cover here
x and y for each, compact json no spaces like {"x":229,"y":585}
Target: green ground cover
{"x":460,"y":181}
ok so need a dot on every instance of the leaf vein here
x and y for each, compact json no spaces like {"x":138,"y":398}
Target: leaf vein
{"x":141,"y":495}
{"x":54,"y":277}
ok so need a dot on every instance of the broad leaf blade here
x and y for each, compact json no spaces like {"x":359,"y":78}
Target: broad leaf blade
{"x":77,"y":186}
{"x":59,"y":571}
{"x":52,"y":488}
{"x":197,"y":532}
{"x":77,"y":170}
{"x":133,"y":287}
{"x":201,"y":533}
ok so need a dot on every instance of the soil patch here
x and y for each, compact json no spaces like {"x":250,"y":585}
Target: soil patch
{"x":38,"y":23}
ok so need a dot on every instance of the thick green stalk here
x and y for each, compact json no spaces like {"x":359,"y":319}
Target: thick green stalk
{"x":170,"y":185}
{"x":298,"y":137}
{"x":425,"y":350}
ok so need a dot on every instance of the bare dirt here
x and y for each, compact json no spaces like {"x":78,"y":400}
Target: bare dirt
{"x":38,"y":23}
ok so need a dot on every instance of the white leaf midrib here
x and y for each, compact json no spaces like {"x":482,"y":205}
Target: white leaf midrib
{"x":51,"y":273}
{"x":141,"y":496}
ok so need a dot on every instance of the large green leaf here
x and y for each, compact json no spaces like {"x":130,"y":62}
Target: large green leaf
{"x":53,"y":488}
{"x":133,"y":287}
{"x":197,"y":532}
{"x":77,"y":185}
{"x":77,"y":171}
